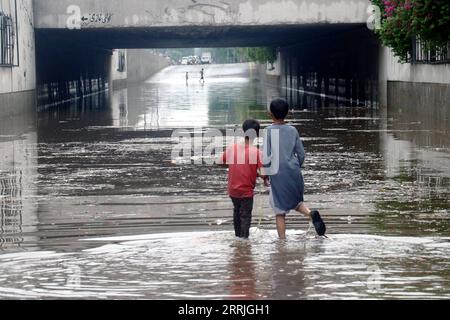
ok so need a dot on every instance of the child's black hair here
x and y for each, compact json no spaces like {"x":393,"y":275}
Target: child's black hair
{"x":251,"y":124}
{"x":279,"y":108}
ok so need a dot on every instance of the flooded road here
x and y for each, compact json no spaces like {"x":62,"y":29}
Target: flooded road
{"x":92,"y":206}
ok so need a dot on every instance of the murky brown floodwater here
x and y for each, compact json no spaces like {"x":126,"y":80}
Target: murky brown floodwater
{"x":91,"y":205}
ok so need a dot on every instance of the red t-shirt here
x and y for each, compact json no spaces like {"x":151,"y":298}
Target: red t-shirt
{"x":243,"y":163}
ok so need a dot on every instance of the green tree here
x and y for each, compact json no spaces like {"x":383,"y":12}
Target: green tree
{"x":260,"y":54}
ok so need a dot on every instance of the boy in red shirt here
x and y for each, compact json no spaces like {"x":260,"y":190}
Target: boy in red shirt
{"x":244,"y":162}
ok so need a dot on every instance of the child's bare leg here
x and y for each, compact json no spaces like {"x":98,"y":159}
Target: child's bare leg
{"x":304,"y":210}
{"x":281,"y":226}
{"x":318,"y":223}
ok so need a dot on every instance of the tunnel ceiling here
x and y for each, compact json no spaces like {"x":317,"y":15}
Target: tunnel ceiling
{"x":192,"y":37}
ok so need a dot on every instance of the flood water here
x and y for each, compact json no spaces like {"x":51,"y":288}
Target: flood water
{"x":92,"y":206}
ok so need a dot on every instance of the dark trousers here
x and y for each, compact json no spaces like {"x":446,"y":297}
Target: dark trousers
{"x":242,"y":216}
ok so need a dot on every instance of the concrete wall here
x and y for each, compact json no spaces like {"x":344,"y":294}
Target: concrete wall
{"x":415,"y":92}
{"x":142,"y":64}
{"x":22,"y":77}
{"x":392,"y":70}
{"x":145,"y":13}
{"x":416,"y":102}
{"x":17,"y":103}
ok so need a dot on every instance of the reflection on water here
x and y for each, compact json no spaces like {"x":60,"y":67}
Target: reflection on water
{"x":417,"y":161}
{"x":165,"y":101}
{"x":18,"y":165}
{"x":101,"y":167}
{"x":242,"y":272}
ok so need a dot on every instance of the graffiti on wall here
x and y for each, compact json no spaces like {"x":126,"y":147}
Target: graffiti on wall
{"x":96,"y":18}
{"x":76,"y":20}
{"x":206,"y":12}
{"x":199,"y":12}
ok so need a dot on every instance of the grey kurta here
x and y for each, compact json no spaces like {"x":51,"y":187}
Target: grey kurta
{"x":287,"y":185}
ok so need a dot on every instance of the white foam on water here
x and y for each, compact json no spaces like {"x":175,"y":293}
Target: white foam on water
{"x":349,"y":118}
{"x":31,"y":255}
{"x":154,"y":236}
{"x":210,"y":262}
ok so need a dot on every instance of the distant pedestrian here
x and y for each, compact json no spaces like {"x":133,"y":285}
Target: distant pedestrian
{"x":187,"y":78}
{"x":202,"y":75}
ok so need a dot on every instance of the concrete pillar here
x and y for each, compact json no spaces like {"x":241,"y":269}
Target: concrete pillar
{"x":49,"y":92}
{"x":327,"y":90}
{"x":348,"y":88}
{"x":354,"y":90}
{"x":337,"y":84}
{"x":298,"y":86}
{"x":305,"y":89}
{"x":286,"y":75}
{"x":319,"y":100}
{"x":291,"y":80}
{"x":79,"y":88}
{"x":362,"y":91}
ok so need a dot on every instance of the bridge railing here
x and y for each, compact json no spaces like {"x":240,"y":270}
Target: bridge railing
{"x":6,"y":40}
{"x":9,"y":49}
{"x":421,"y":53}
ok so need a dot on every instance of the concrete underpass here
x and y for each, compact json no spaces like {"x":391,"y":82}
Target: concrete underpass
{"x":316,"y":40}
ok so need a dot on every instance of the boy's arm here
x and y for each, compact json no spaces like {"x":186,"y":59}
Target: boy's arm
{"x":267,"y":150}
{"x":264,"y":177}
{"x":222,"y":160}
{"x":261,"y":171}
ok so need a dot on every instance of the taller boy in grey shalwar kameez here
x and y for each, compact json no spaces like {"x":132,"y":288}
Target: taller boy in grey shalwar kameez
{"x":287,"y":186}
{"x":283,"y":157}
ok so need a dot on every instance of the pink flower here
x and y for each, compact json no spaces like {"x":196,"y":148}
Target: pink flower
{"x":408,"y":5}
{"x":390,"y":6}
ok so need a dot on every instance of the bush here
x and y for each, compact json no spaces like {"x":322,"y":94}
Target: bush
{"x":261,"y":55}
{"x":402,"y":20}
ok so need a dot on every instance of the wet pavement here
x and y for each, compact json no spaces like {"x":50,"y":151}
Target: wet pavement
{"x":92,"y":206}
